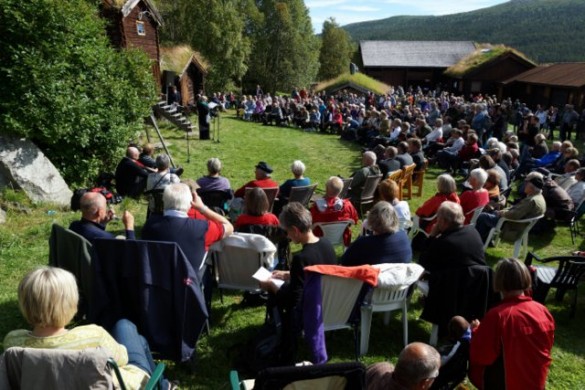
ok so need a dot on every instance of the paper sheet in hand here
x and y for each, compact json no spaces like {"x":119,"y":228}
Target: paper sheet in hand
{"x":264,"y":275}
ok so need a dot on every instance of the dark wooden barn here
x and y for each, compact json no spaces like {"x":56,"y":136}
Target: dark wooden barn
{"x":412,"y":63}
{"x":135,"y":24}
{"x":485,"y":70}
{"x":186,"y":68}
{"x":554,"y":84}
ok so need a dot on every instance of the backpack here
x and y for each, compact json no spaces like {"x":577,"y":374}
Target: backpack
{"x":111,"y":197}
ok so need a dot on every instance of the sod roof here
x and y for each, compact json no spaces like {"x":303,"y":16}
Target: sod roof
{"x":485,"y":54}
{"x":358,"y":81}
{"x":178,"y":58}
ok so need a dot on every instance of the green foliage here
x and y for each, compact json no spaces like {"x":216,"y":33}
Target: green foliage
{"x":545,"y":30}
{"x":66,"y":89}
{"x":285,"y":48}
{"x":336,"y":51}
{"x":216,"y":30}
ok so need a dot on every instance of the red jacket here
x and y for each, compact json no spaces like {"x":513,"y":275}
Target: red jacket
{"x":430,"y":207}
{"x":334,"y":210}
{"x":523,"y":331}
{"x":264,"y":183}
{"x":468,"y":152}
{"x":471,"y":200}
{"x":265,"y":219}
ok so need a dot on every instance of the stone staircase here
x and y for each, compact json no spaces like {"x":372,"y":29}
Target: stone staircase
{"x":173,"y":115}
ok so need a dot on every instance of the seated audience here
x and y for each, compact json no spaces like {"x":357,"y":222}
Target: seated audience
{"x":446,"y":191}
{"x":403,"y":156}
{"x":263,"y":180}
{"x":146,"y":156}
{"x":160,"y":179}
{"x":48,"y":299}
{"x":511,"y":347}
{"x":477,"y":196}
{"x":297,"y":222}
{"x":452,"y":244}
{"x":194,"y":236}
{"x":131,"y":174}
{"x":487,"y":163}
{"x":559,"y":205}
{"x":256,"y":210}
{"x":389,"y":192}
{"x":415,"y":151}
{"x":387,"y":244}
{"x":95,"y":216}
{"x":390,"y":163}
{"x":567,"y":179}
{"x":531,"y":206}
{"x":416,"y":369}
{"x":331,"y":208}
{"x":298,"y":170}
{"x":492,"y":184}
{"x":369,"y":168}
{"x":577,"y":190}
{"x":214,"y":181}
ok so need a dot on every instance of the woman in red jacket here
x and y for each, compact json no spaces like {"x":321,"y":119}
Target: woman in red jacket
{"x":511,"y":348}
{"x":446,"y":191}
{"x":256,"y":210}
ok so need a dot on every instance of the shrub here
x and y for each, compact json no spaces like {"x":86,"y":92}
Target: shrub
{"x":65,"y":88}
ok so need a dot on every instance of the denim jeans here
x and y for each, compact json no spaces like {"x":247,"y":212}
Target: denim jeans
{"x":485,"y":223}
{"x":125,"y":333}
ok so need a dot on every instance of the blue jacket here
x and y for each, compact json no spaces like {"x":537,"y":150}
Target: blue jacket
{"x":91,"y":230}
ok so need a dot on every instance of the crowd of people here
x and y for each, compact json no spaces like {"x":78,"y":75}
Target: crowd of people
{"x":466,"y":138}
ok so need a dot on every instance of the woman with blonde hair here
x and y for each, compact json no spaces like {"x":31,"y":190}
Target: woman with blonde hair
{"x":48,"y":299}
{"x":389,"y":192}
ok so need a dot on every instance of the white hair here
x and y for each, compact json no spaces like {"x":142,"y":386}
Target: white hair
{"x":297,"y":168}
{"x":371,"y":156}
{"x":480,"y":176}
{"x":177,"y":196}
{"x":213,"y":165}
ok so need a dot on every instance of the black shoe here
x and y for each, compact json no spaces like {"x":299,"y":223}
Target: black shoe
{"x":179,"y":171}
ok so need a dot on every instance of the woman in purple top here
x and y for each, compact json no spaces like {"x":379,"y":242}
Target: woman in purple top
{"x":213,"y":181}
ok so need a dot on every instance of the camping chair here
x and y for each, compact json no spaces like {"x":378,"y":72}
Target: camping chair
{"x":72,"y":252}
{"x":474,"y":215}
{"x":416,"y":226}
{"x":522,"y":241}
{"x":302,"y":194}
{"x":156,"y":195}
{"x":237,"y":257}
{"x":345,"y":189}
{"x":396,"y":176}
{"x":367,"y":196}
{"x":333,"y":231}
{"x":332,"y":376}
{"x":216,"y":200}
{"x":574,"y":221}
{"x":270,"y":192}
{"x":65,"y":369}
{"x":419,"y":177}
{"x":406,"y":181}
{"x":565,"y":277}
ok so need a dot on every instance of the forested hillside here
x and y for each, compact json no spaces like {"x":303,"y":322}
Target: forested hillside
{"x":545,"y":30}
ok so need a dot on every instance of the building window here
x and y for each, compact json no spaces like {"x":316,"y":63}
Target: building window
{"x":140,"y":30}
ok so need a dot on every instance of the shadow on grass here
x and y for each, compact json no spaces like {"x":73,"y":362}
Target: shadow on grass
{"x":11,"y":318}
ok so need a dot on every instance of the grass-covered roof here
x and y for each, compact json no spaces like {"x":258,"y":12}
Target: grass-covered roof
{"x":484,"y":54}
{"x":359,"y":80}
{"x":177,"y":58}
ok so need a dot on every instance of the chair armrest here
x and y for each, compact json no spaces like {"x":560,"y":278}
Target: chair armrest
{"x":156,"y":377}
{"x":529,"y":257}
{"x":234,"y":380}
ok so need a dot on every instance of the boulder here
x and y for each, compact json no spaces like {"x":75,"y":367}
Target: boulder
{"x":25,"y":167}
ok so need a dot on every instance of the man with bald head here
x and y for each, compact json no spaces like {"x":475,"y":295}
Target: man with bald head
{"x":417,"y":367}
{"x":131,"y":174}
{"x":95,"y":216}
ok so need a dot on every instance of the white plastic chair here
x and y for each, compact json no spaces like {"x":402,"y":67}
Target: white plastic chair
{"x":333,"y":231}
{"x":474,"y":214}
{"x":496,"y":231}
{"x":237,"y":257}
{"x":416,"y":228}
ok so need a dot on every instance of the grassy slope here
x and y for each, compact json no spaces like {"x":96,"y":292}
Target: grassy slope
{"x":23,"y":245}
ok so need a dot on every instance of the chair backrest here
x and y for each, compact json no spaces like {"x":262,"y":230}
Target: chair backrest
{"x":270,"y":194}
{"x":474,"y":214}
{"x":569,"y":273}
{"x":333,"y":231}
{"x":370,"y":187}
{"x":423,"y":168}
{"x":396,"y":175}
{"x":346,"y":185}
{"x":157,"y":205}
{"x":302,"y":194}
{"x":384,"y":299}
{"x":408,"y":172}
{"x":338,"y":298}
{"x":213,"y":199}
{"x":236,"y":258}
{"x":340,"y":375}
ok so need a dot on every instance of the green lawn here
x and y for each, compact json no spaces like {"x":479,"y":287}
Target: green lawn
{"x":24,"y":245}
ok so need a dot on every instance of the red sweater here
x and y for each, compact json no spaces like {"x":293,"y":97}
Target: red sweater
{"x":265,"y":219}
{"x":334,"y":210}
{"x":471,"y":200}
{"x":264,"y":183}
{"x":523,"y":331}
{"x":430,"y":207}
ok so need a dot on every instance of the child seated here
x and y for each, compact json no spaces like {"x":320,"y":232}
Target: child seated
{"x":454,"y":355}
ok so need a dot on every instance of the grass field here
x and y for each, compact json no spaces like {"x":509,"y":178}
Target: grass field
{"x":24,"y":245}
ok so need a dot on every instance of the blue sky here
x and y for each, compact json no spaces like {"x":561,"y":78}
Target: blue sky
{"x":352,"y":11}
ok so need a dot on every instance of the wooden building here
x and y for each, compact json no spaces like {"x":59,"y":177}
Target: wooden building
{"x":412,"y":63}
{"x":554,"y":84}
{"x":187,"y":70}
{"x":135,"y":24}
{"x":485,"y":70}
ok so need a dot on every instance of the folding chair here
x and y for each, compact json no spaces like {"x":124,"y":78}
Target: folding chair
{"x":270,"y":194}
{"x":333,"y":231}
{"x":345,"y":189}
{"x":155,"y":196}
{"x":474,"y":215}
{"x":565,"y":277}
{"x":416,"y":226}
{"x":302,"y":194}
{"x":216,"y":200}
{"x":521,"y":242}
{"x":367,"y":195}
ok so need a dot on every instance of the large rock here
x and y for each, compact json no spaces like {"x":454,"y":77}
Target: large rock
{"x":25,"y":167}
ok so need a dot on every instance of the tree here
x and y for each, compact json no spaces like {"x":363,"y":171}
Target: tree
{"x":285,"y":49}
{"x":216,"y":29}
{"x":336,"y":51}
{"x":65,"y":88}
